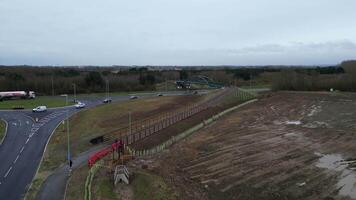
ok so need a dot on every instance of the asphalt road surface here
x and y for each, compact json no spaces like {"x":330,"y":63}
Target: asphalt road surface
{"x":26,"y":138}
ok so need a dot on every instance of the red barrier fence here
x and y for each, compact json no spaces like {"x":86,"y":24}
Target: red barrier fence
{"x":102,"y":153}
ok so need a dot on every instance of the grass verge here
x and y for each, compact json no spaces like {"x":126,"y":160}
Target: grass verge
{"x":2,"y":130}
{"x":57,"y":101}
{"x":76,"y":184}
{"x":48,"y":101}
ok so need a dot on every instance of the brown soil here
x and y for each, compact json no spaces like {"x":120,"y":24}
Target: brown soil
{"x":271,"y":149}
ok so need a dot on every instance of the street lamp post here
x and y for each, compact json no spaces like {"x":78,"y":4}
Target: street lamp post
{"x":166,"y":85}
{"x":67,"y":117}
{"x":75,"y":92}
{"x":107,"y":88}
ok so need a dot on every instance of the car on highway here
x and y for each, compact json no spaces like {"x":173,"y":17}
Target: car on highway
{"x":107,"y":100}
{"x":159,"y":94}
{"x":40,"y":109}
{"x":79,"y":105}
{"x":133,"y":97}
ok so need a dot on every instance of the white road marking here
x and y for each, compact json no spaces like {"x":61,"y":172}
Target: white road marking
{"x":14,"y":123}
{"x":22,"y":149}
{"x":28,"y":139}
{"x":17,"y":157}
{"x":8,"y":171}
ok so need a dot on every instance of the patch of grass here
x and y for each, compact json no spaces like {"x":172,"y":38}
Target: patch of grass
{"x":2,"y":130}
{"x":36,"y":184}
{"x":169,"y":86}
{"x":48,"y":101}
{"x":113,"y":94}
{"x":76,"y":185}
{"x":103,"y":186}
{"x":151,"y":187}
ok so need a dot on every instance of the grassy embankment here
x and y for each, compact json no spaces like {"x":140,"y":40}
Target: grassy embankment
{"x":2,"y":130}
{"x":90,"y":123}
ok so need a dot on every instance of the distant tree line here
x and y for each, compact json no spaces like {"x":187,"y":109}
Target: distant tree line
{"x":341,"y":77}
{"x":59,"y":80}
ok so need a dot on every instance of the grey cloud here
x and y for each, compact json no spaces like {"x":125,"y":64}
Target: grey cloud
{"x":176,"y":32}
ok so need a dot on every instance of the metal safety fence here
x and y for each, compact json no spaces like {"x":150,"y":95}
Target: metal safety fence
{"x":141,"y":129}
{"x":174,"y":139}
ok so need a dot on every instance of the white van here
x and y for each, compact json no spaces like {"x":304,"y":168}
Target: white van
{"x":40,"y":109}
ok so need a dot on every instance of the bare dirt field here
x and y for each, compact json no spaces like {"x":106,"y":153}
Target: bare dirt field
{"x":285,"y":146}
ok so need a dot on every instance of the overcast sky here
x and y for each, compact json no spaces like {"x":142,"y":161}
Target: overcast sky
{"x":177,"y":32}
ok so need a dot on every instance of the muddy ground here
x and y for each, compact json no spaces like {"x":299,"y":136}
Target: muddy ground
{"x":285,"y":146}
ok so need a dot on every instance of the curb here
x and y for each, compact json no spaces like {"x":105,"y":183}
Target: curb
{"x":65,"y":190}
{"x":6,"y":125}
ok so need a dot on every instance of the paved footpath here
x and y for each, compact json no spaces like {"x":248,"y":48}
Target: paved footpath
{"x":54,"y":186}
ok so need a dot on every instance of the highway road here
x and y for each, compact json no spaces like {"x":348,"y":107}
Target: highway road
{"x":24,"y":144}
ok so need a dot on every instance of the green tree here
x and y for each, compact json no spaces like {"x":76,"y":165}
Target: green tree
{"x":183,"y":75}
{"x":94,"y":79}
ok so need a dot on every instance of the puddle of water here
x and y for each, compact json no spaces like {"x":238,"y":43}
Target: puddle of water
{"x":293,"y":122}
{"x":347,"y":181}
{"x":290,"y":134}
{"x":317,"y":124}
{"x":330,"y":161}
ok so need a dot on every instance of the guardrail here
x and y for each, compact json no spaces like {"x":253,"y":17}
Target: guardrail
{"x":174,"y":139}
{"x":144,"y":128}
